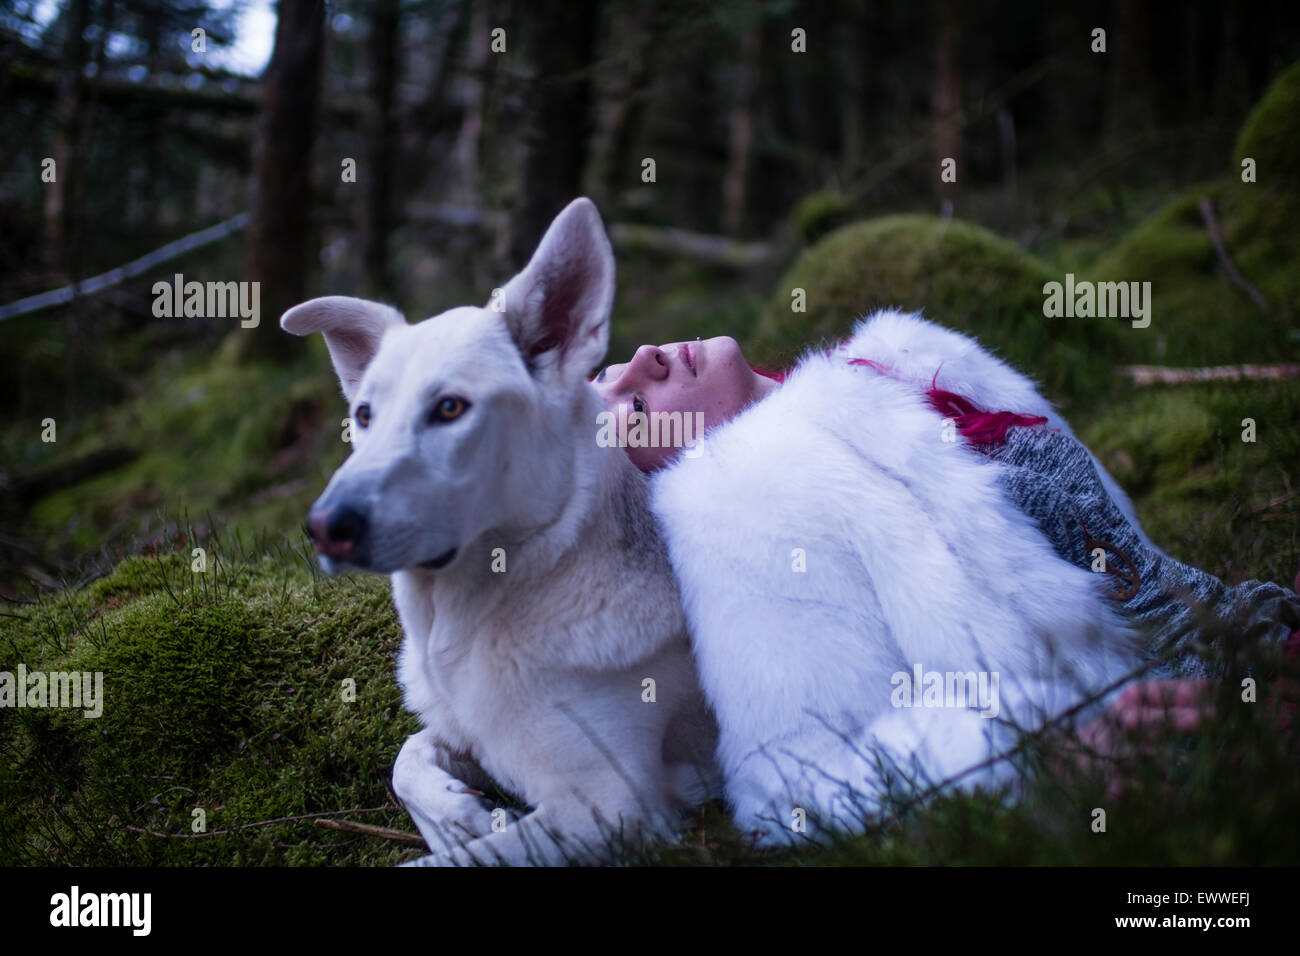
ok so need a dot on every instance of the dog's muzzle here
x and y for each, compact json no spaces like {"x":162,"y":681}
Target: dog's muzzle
{"x":338,"y":532}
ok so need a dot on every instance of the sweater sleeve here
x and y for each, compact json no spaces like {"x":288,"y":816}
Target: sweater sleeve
{"x":1192,"y":619}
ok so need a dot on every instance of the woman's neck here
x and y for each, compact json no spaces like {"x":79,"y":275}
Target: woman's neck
{"x":765,"y":384}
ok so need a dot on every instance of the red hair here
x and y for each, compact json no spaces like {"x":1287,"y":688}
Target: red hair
{"x":980,"y":426}
{"x":774,"y":374}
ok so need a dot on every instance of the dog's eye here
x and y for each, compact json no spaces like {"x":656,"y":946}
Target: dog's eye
{"x":638,"y":405}
{"x":362,"y":415}
{"x":448,"y":409}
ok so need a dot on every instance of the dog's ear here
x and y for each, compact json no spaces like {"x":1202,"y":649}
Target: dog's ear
{"x":557,"y":309}
{"x":352,"y":327}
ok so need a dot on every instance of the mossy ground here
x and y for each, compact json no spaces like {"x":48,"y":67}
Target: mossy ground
{"x":226,"y":692}
{"x":1204,"y":494}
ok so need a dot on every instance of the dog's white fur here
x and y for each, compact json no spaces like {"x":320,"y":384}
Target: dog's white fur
{"x":535,"y":675}
{"x":913,"y":555}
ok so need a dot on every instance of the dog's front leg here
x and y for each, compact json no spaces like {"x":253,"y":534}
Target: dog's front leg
{"x":443,"y":806}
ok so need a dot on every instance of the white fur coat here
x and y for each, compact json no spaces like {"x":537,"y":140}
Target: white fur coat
{"x":829,"y":540}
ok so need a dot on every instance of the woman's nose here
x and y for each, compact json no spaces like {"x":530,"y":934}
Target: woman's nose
{"x":649,"y":362}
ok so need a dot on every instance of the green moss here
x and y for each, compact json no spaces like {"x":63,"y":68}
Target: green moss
{"x":1263,"y":215}
{"x":820,"y":212}
{"x":956,"y":274}
{"x":223,"y":691}
{"x":1198,"y":316}
{"x":252,"y":444}
{"x":1202,"y":492}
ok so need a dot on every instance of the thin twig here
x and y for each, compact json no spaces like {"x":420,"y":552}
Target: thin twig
{"x":1237,"y":279}
{"x":384,"y":833}
{"x":259,"y":823}
{"x":1280,"y":500}
{"x":1160,"y":375}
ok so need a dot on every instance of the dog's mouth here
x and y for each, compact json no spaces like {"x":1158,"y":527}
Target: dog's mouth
{"x":441,"y":561}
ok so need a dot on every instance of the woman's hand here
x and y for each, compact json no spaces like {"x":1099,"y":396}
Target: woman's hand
{"x":1130,"y":726}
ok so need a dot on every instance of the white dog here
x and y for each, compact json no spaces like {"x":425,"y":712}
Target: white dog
{"x":836,"y":545}
{"x":545,"y":644}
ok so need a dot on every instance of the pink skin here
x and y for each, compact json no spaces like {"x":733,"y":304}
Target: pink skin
{"x":710,"y":377}
{"x":1143,"y":710}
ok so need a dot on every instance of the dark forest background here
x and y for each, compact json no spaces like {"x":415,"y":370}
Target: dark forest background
{"x":794,"y":143}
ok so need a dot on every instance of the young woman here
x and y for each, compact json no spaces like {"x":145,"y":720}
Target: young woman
{"x":995,"y":416}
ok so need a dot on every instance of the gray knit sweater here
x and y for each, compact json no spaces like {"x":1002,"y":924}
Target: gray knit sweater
{"x":1191,"y":618}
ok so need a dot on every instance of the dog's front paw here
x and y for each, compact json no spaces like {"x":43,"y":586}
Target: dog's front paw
{"x":446,"y":811}
{"x":449,"y":820}
{"x":455,"y":857}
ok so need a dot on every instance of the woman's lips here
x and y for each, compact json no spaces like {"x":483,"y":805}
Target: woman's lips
{"x":691,"y":357}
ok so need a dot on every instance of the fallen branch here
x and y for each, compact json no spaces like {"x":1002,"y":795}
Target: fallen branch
{"x":1159,"y":375}
{"x":1237,"y":279}
{"x":26,"y":488}
{"x":33,"y":81}
{"x":258,"y":823}
{"x":1263,"y":510}
{"x":684,"y":244}
{"x":384,"y":833}
{"x":106,"y":280}
{"x":626,"y":237}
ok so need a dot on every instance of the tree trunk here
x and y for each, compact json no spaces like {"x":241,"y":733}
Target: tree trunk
{"x":946,"y":98}
{"x":69,"y":100}
{"x":1231,"y":87}
{"x":376,"y":174}
{"x":741,"y":131}
{"x":466,"y":150}
{"x":855,"y":48}
{"x":426,"y":126}
{"x":562,"y":38}
{"x":640,"y":34}
{"x":1129,"y":110}
{"x":278,"y":249}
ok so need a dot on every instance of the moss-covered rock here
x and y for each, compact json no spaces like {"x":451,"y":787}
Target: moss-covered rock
{"x":955,"y":273}
{"x":1264,"y":226}
{"x":820,"y":212}
{"x":1199,"y":316}
{"x":223,"y":691}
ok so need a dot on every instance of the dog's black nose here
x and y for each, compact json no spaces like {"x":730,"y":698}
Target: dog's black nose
{"x":336,"y":531}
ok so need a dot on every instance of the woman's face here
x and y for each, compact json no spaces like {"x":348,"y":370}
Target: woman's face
{"x":711,"y":377}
